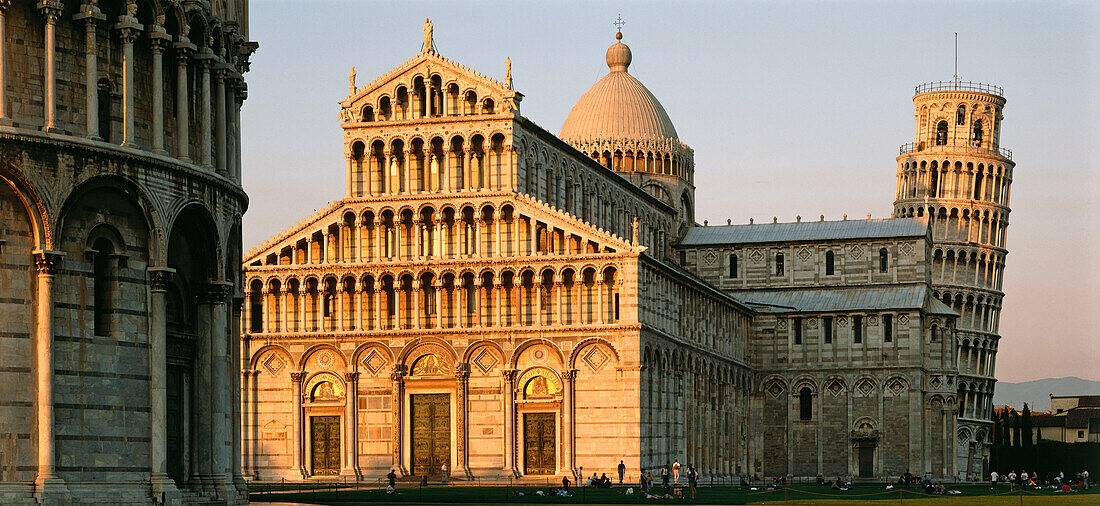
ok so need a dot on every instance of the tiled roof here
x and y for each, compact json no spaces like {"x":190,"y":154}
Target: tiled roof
{"x":845,"y":299}
{"x":618,"y":106}
{"x":805,"y":231}
{"x":1078,"y":418}
{"x":1092,"y":401}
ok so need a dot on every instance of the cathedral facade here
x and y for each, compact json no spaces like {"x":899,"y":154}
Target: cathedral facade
{"x":120,"y":206}
{"x":507,"y":302}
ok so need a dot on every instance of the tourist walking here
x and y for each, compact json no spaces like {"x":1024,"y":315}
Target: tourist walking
{"x":622,"y":471}
{"x":392,"y":486}
{"x":1012,"y":480}
{"x":444,"y":469}
{"x":1085,"y":477}
{"x":676,"y":472}
{"x":693,"y":480}
{"x":993,"y":476}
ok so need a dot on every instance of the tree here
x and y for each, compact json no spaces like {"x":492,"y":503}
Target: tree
{"x":1016,"y":429}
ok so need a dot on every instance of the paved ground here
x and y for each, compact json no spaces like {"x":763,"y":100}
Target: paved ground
{"x":868,"y":494}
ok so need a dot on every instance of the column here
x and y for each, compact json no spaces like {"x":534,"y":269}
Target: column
{"x":378,"y":305}
{"x":128,"y":31}
{"x":570,"y":378}
{"x":297,"y":469}
{"x":437,"y":284}
{"x":241,"y":94}
{"x":462,"y":383}
{"x":91,"y":14}
{"x":51,"y":10}
{"x":509,"y":420}
{"x":220,"y":144}
{"x":48,"y":484}
{"x":205,"y":134}
{"x":220,"y":383}
{"x":4,"y":120}
{"x":397,"y":397}
{"x":351,"y":425}
{"x":158,"y":40}
{"x":246,"y":426}
{"x":358,"y":294}
{"x":417,"y":303}
{"x":183,"y":144}
{"x":163,"y":486}
{"x":265,"y":308}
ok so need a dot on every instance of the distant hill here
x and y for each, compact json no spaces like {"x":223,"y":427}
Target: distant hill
{"x":1037,"y":393}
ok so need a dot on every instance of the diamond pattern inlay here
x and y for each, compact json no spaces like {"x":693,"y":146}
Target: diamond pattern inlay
{"x":485,"y":361}
{"x":374,"y":362}
{"x":596,"y":358}
{"x":274,"y":364}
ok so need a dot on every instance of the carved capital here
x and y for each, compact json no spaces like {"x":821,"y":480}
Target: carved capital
{"x":215,"y":292}
{"x":47,"y":262}
{"x":351,"y":377}
{"x":50,"y":10}
{"x":509,"y":375}
{"x":569,"y":375}
{"x":297,"y":377}
{"x":159,"y":278}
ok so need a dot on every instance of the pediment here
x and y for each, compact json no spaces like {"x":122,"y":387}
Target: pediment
{"x":414,"y":73}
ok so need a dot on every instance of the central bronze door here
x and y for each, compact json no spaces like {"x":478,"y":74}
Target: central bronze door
{"x":866,"y":461}
{"x":431,"y":433}
{"x":325,"y":432}
{"x":538,"y":443}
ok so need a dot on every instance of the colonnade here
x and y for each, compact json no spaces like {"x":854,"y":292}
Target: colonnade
{"x":975,"y":400}
{"x":428,"y":99}
{"x":968,"y":266}
{"x":937,"y":179}
{"x":694,"y":411}
{"x":433,"y":300}
{"x":976,"y":357}
{"x":961,"y":225}
{"x":691,"y":312}
{"x":421,"y":165}
{"x":221,"y":88}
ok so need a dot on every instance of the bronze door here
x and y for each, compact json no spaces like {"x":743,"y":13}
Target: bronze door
{"x":539,"y":447}
{"x":174,"y":420}
{"x":326,"y":445}
{"x":866,"y":461}
{"x":431,"y":433}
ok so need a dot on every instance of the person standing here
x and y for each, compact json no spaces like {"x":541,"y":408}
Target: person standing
{"x":444,"y":469}
{"x":676,"y":472}
{"x":1085,"y":477}
{"x":1012,"y":480}
{"x":392,"y":477}
{"x":993,"y":480}
{"x":693,"y":480}
{"x":622,"y":471}
{"x":664,"y":475}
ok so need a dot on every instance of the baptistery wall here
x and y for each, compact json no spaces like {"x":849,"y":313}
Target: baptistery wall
{"x":120,"y":206}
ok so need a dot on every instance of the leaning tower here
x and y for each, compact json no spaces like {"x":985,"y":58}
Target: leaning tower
{"x":957,"y":174}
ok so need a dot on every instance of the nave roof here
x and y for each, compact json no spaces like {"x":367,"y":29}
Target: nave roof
{"x":844,"y":299}
{"x":805,"y":231}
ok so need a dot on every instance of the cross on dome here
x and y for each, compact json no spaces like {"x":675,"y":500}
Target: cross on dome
{"x":619,"y":26}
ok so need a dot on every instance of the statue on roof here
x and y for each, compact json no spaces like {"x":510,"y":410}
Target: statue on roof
{"x":508,"y":72}
{"x":351,"y":81}
{"x":429,"y":42}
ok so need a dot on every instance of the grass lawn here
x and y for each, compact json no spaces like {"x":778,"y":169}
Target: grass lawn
{"x":870,"y":495}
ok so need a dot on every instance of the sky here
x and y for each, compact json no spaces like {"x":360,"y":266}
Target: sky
{"x":792,"y":108}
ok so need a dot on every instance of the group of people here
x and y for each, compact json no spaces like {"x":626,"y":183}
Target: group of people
{"x":1024,"y":479}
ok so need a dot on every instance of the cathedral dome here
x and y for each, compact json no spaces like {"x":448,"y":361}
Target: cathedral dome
{"x":618,"y":107}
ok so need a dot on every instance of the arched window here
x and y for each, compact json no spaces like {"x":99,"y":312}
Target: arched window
{"x":830,"y":262}
{"x":778,"y":264}
{"x":960,"y":115}
{"x":805,"y":404}
{"x":883,"y":260}
{"x":978,"y":133}
{"x":103,"y":292}
{"x":941,"y":133}
{"x":733,"y":266}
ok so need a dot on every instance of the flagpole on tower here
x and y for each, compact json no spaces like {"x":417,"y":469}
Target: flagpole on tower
{"x":956,"y":56}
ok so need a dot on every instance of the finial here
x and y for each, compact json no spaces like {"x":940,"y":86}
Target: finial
{"x":823,"y":217}
{"x":729,"y":221}
{"x":705,"y":223}
{"x":775,"y":219}
{"x":750,"y":221}
{"x":798,"y":218}
{"x":619,"y":27}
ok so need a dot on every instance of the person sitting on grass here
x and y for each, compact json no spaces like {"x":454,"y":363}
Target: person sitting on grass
{"x":820,"y":479}
{"x":839,"y":484}
{"x":565,"y":483}
{"x":592,"y":481}
{"x":1065,"y":488}
{"x":890,"y":486}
